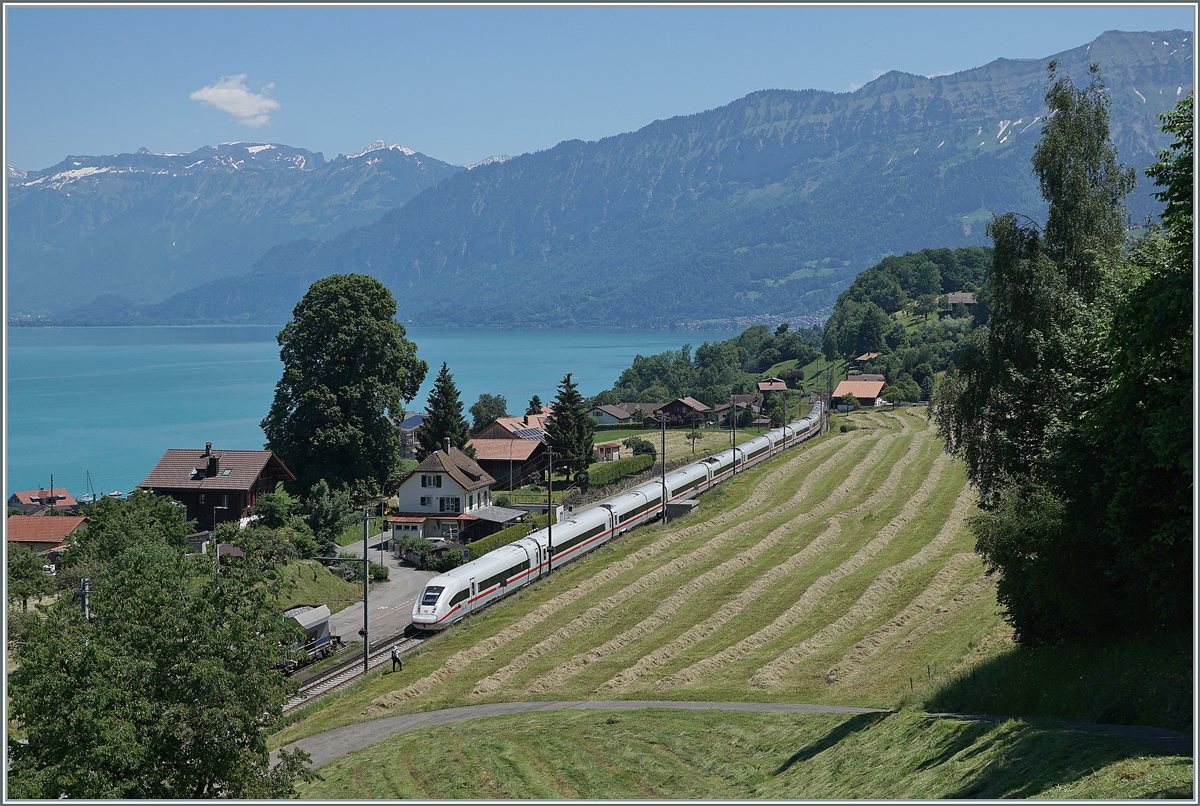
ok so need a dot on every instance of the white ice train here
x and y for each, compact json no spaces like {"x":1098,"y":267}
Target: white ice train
{"x":450,"y":597}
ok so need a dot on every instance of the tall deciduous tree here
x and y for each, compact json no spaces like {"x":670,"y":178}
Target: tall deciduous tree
{"x":26,"y":579}
{"x":486,"y":409}
{"x":347,"y":371}
{"x":1049,"y":409}
{"x":168,"y":691}
{"x":445,"y":418}
{"x":570,"y":430}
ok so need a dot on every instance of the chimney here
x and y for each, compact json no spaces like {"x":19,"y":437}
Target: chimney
{"x":526,"y":419}
{"x":214,"y":464}
{"x":446,"y":444}
{"x":207,"y":448}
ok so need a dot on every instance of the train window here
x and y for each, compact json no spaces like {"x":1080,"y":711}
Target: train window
{"x":458,"y":597}
{"x":431,"y":595}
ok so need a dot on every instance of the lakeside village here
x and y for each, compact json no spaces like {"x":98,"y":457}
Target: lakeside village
{"x":452,"y":498}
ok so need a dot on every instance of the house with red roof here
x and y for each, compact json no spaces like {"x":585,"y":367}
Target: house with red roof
{"x":44,"y":535}
{"x":216,"y":486}
{"x":34,"y":501}
{"x":867,"y":393}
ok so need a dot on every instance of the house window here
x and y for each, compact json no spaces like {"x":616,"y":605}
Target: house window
{"x":225,"y":501}
{"x":471,"y":501}
{"x":201,"y":498}
{"x":431,"y":481}
{"x":449,"y":504}
{"x":427,"y":500}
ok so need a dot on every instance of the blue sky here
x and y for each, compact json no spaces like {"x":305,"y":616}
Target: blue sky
{"x":463,"y":83}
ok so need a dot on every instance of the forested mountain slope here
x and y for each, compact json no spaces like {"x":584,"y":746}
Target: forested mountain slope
{"x":145,"y":225}
{"x":771,"y":204}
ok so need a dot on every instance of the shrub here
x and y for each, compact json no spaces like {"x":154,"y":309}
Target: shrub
{"x":608,"y":472}
{"x":639,"y":447}
{"x":502,"y":538}
{"x":379,"y":573}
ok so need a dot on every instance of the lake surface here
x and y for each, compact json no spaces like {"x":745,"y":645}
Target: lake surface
{"x":108,"y":401}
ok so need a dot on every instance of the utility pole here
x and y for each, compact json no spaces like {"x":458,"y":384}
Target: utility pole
{"x":733,"y":414}
{"x":83,"y":593}
{"x":549,"y":510}
{"x":366,"y":516}
{"x":664,"y":468}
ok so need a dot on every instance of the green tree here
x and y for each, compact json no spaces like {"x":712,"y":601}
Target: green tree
{"x":26,"y":578}
{"x":535,"y":405}
{"x":445,"y":417}
{"x":569,"y":431}
{"x":829,"y":345}
{"x":329,"y":514}
{"x":273,"y":509}
{"x":115,"y":525}
{"x":1015,"y":406}
{"x":638,"y":446}
{"x":347,"y":371}
{"x":638,"y":415}
{"x":487,"y":409}
{"x":168,"y":691}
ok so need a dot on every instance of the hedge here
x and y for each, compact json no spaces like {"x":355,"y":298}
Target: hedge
{"x":603,"y":473}
{"x":502,"y":538}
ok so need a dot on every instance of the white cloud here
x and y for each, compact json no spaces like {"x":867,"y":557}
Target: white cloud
{"x":231,"y":95}
{"x":874,"y":75}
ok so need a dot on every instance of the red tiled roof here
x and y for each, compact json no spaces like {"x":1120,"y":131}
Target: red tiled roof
{"x":518,"y":450}
{"x":174,"y":470}
{"x":33,"y":529}
{"x":613,"y":411}
{"x":407,"y":519}
{"x":771,"y":385}
{"x":867,"y":356}
{"x":860,"y":389}
{"x":27,"y":497}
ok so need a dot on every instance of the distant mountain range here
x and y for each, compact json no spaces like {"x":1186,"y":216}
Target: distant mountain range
{"x":145,"y":226}
{"x":771,"y":204}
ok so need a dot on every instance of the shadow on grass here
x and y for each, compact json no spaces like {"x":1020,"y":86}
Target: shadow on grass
{"x":1144,"y":680}
{"x":851,"y":726}
{"x":1031,"y":759}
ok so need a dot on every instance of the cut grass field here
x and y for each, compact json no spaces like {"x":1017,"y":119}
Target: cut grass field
{"x":658,"y":754}
{"x":838,"y":573}
{"x":309,"y":582}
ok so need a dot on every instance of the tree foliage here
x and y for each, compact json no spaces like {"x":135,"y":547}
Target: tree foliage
{"x":26,"y":579}
{"x":487,"y":409}
{"x":1072,"y":408}
{"x":347,"y":371}
{"x":535,"y":405}
{"x":569,"y":430}
{"x":329,"y":513}
{"x":168,"y":691}
{"x":445,"y":417}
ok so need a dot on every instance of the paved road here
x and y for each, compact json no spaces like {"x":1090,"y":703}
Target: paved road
{"x":333,"y":744}
{"x":390,"y":602}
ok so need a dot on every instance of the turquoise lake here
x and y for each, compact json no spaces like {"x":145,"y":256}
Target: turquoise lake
{"x":108,"y":401}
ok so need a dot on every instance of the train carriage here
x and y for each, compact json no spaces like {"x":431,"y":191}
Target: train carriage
{"x":449,"y":597}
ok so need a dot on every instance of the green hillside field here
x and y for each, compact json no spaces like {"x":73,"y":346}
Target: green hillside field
{"x":839,"y":573}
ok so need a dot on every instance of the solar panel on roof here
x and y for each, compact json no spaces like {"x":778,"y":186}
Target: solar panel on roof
{"x":530,"y":433}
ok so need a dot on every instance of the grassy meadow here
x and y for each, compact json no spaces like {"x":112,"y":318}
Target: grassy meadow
{"x":841,"y":572}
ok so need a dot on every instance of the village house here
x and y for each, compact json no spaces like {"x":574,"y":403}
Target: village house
{"x":46,"y":536}
{"x":527,"y":426}
{"x":216,"y":486}
{"x":865,"y":392}
{"x":32,"y":502}
{"x":768,"y":385}
{"x":864,"y":358}
{"x":648,"y":409}
{"x":965,"y":297}
{"x":448,"y":496}
{"x":739,"y":403}
{"x":684,"y":411}
{"x":408,"y":434}
{"x":609,"y":415}
{"x":511,"y":462}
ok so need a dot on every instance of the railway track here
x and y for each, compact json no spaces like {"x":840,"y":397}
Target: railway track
{"x":350,"y":670}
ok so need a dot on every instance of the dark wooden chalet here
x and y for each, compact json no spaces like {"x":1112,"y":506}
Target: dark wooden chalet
{"x":216,"y":486}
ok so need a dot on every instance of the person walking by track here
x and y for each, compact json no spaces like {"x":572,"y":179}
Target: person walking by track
{"x":396,"y":662}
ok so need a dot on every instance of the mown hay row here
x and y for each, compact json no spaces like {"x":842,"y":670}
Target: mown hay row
{"x":851,"y":663}
{"x":808,"y":600}
{"x":596,"y":614}
{"x":773,"y":672}
{"x":664,"y":654}
{"x":460,"y":660}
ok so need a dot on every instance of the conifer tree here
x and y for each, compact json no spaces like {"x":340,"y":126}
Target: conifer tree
{"x":569,"y":430}
{"x":445,"y":417}
{"x":535,"y":405}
